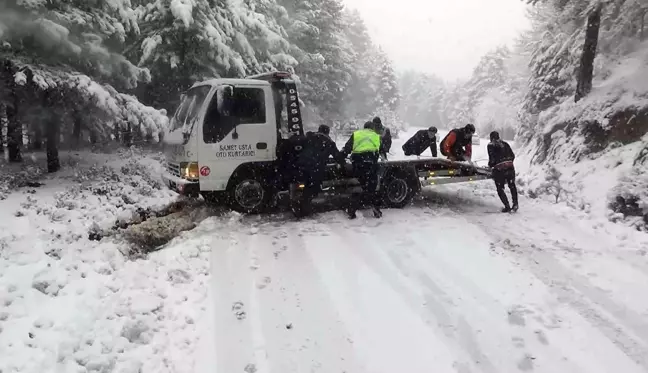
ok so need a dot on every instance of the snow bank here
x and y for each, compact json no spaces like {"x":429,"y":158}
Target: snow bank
{"x":624,"y":88}
{"x":594,"y":144}
{"x":71,"y":304}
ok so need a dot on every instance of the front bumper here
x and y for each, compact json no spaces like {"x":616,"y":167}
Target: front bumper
{"x":181,"y":186}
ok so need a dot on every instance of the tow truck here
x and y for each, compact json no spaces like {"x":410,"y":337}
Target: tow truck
{"x":224,"y":143}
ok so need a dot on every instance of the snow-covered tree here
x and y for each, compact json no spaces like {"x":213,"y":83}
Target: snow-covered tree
{"x":421,"y":104}
{"x":386,"y":84}
{"x":360,"y":96}
{"x":71,"y":38}
{"x":325,"y":55}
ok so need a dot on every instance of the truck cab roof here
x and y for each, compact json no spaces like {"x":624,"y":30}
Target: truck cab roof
{"x":234,"y":82}
{"x":262,"y":79}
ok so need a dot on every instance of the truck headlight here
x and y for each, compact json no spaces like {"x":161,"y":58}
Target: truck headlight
{"x":189,"y":171}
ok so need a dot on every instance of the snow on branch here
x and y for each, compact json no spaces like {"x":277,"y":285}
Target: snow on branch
{"x":119,"y":109}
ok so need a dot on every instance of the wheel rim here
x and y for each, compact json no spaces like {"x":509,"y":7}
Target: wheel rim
{"x":397,"y":190}
{"x":249,"y":194}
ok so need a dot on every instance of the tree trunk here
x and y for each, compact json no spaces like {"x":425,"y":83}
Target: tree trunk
{"x":52,"y":132}
{"x":586,"y":70}
{"x":137,"y":135}
{"x":14,"y":128}
{"x":37,"y":143}
{"x":1,"y":125}
{"x":128,"y":135}
{"x":53,"y":163}
{"x":93,"y":137}
{"x":642,"y":32}
{"x":76,"y":130}
{"x":116,"y":133}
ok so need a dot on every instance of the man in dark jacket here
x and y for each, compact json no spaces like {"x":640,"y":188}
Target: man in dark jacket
{"x":289,"y":153}
{"x":457,"y":145}
{"x":421,"y":140}
{"x":500,"y":159}
{"x":364,"y":147}
{"x":312,"y":162}
{"x":385,"y":137}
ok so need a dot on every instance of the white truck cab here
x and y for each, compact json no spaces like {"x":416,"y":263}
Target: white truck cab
{"x":223,"y":138}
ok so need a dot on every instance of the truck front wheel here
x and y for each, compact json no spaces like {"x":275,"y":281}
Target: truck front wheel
{"x":396,"y":191}
{"x":249,"y":194}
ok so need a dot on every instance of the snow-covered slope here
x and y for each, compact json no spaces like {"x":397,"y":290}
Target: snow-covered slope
{"x":69,"y":304}
{"x":597,"y":143}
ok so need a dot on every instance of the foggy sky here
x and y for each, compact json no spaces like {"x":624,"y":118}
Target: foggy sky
{"x":445,"y":37}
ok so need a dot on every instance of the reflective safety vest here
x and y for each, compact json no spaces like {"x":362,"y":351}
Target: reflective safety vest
{"x":365,"y":141}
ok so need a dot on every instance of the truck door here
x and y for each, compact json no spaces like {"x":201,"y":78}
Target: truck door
{"x":247,"y":133}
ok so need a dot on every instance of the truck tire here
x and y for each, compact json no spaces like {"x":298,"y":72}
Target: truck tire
{"x":397,"y":192}
{"x":249,"y":193}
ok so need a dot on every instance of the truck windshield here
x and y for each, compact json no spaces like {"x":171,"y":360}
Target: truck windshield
{"x":190,"y":107}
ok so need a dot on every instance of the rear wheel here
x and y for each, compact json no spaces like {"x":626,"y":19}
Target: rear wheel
{"x":249,"y":194}
{"x":397,"y":191}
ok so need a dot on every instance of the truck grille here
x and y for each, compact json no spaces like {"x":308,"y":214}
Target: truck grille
{"x":174,"y":169}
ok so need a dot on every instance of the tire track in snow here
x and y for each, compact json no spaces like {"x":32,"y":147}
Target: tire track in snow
{"x":569,"y":351}
{"x":387,"y":332}
{"x":625,"y":328}
{"x":487,"y":313}
{"x":432,"y":306}
{"x":237,"y":337}
{"x":258,"y":335}
{"x":304,"y":332}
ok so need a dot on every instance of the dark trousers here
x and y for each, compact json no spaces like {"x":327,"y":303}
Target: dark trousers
{"x":504,"y":177}
{"x":367,"y":175}
{"x":312,"y":181}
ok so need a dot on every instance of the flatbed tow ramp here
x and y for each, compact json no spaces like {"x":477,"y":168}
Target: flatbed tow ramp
{"x":401,"y":180}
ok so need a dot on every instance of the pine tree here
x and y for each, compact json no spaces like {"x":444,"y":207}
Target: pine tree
{"x":387,"y":91}
{"x":182,"y":42}
{"x":324,"y":54}
{"x":269,"y":47}
{"x":360,"y":96}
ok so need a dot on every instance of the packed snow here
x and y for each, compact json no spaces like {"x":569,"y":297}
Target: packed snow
{"x":448,"y":284}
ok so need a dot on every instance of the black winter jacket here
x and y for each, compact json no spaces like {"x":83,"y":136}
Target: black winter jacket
{"x":417,"y":144}
{"x":386,"y":142}
{"x":500,"y":155}
{"x":317,"y":151}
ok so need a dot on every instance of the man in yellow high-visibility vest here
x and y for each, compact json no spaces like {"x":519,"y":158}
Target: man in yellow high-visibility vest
{"x":364,"y":147}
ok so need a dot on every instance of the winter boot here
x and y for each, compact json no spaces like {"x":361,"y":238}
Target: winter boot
{"x":351,"y":213}
{"x":515,"y":207}
{"x":377,"y":213}
{"x":506,"y":209}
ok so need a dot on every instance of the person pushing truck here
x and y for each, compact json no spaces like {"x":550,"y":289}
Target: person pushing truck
{"x":457,"y":144}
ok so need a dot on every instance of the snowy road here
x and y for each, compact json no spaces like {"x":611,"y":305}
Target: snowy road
{"x":424,"y":289}
{"x":448,"y":284}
